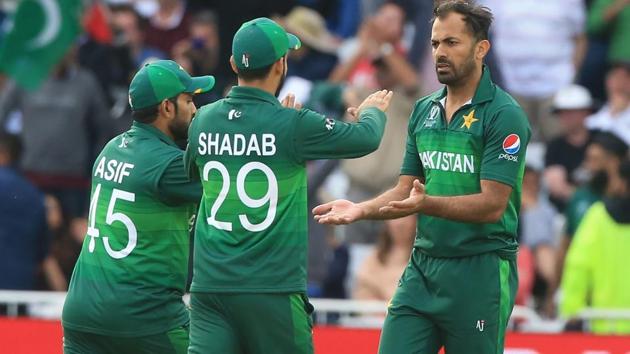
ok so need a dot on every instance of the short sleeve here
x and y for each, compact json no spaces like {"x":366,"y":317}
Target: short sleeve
{"x":506,"y":138}
{"x":319,"y":137}
{"x":175,"y":186}
{"x":190,"y":167}
{"x":411,"y":165}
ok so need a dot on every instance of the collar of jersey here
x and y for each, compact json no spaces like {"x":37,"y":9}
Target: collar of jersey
{"x":249,"y":92}
{"x":148,"y":129}
{"x":484,"y":92}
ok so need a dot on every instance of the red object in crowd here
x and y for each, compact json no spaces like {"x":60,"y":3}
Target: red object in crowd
{"x":95,"y":22}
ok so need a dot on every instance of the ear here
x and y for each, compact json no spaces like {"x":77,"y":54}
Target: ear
{"x":279,"y":65}
{"x":483,"y":47}
{"x":165,"y":108}
{"x":233,"y":64}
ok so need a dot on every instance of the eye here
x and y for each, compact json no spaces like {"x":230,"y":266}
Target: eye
{"x":434,"y":44}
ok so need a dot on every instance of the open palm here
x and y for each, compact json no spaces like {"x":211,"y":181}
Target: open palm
{"x":338,"y":212}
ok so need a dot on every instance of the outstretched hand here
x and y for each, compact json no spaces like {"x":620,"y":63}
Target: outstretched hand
{"x":338,"y":212}
{"x":289,"y":102}
{"x":379,"y":99}
{"x":408,"y":206}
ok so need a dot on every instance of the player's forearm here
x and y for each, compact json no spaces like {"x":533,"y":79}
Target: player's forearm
{"x":371,"y":207}
{"x":472,"y":208}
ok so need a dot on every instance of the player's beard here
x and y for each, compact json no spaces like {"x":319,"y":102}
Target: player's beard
{"x":179,"y":125}
{"x":457,"y":74}
{"x":284,"y":76}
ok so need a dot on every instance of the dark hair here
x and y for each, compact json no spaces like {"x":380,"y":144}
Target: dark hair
{"x":12,"y":146}
{"x":149,"y":114}
{"x":624,"y":172}
{"x":611,"y":143}
{"x":478,"y":18}
{"x":254,"y":74}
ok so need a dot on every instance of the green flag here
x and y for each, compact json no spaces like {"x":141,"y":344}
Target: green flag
{"x":40,"y":33}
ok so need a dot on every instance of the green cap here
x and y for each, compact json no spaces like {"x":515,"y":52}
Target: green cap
{"x":261,"y":42}
{"x":162,"y":79}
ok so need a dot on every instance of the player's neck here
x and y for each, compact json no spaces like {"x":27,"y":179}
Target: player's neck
{"x":267,"y":85}
{"x":460,"y":93}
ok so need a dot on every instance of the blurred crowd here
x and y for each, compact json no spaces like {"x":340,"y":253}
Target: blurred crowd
{"x":567,"y":62}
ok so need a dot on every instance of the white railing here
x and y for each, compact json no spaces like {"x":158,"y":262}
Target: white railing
{"x":351,"y":313}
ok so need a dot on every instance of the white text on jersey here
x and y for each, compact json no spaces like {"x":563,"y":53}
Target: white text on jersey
{"x":448,"y":161}
{"x":236,"y":144}
{"x":116,"y":170}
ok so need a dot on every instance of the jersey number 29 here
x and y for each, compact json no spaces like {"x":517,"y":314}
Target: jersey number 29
{"x":270,"y":197}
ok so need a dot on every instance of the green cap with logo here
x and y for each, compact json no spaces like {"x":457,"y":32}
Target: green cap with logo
{"x":261,"y":42}
{"x":162,"y":79}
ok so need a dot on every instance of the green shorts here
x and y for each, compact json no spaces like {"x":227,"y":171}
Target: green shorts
{"x":250,"y":324}
{"x":174,"y":341}
{"x":461,"y":304}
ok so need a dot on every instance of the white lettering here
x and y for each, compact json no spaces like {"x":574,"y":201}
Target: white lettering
{"x":469,"y":164}
{"x":253,"y":146}
{"x":269,"y":144}
{"x":125,"y":171}
{"x":225,"y":145}
{"x":100,"y":168}
{"x":449,"y":161}
{"x":213,"y":144}
{"x":202,"y":144}
{"x":239,"y":144}
{"x":111,"y":165}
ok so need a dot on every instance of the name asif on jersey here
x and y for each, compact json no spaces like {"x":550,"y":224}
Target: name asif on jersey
{"x":511,"y":146}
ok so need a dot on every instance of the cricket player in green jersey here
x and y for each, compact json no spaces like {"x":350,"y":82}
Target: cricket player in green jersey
{"x":248,"y":294}
{"x":462,"y":176}
{"x":126,"y":291}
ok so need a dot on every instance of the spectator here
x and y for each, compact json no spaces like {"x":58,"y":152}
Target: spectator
{"x":612,"y":16}
{"x":379,"y":37}
{"x":603,"y":157}
{"x":615,"y":115}
{"x":539,"y":46}
{"x":373,"y":174}
{"x":595,"y":271}
{"x":537,"y":234}
{"x":318,"y":55}
{"x":199,"y":53}
{"x":378,"y":276}
{"x":65,"y":123}
{"x":24,"y":239}
{"x":565,"y":153}
{"x":128,"y":28}
{"x":168,"y":25}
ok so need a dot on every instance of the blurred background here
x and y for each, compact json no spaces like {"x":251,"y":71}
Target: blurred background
{"x":65,"y":67}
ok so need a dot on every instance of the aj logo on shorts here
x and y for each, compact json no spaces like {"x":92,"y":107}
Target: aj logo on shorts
{"x":480,"y":324}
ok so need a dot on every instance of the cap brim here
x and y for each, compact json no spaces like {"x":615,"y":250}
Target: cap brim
{"x":201,"y":84}
{"x":294,"y":42}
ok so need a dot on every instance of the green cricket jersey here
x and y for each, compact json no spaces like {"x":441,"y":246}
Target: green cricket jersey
{"x":132,"y":271}
{"x":250,"y":153}
{"x":486,"y":139}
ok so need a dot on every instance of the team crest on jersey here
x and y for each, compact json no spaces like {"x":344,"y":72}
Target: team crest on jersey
{"x":432,"y":118}
{"x":511,"y":145}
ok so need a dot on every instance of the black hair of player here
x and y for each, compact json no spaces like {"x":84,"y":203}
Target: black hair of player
{"x":254,"y":74}
{"x":611,"y":143}
{"x":478,"y":18}
{"x":149,"y":114}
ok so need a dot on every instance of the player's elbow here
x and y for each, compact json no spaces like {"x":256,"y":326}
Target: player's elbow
{"x":494,"y":214}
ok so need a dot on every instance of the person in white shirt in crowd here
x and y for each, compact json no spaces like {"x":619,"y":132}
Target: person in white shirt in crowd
{"x":539,"y":45}
{"x":614,"y":116}
{"x":565,"y":153}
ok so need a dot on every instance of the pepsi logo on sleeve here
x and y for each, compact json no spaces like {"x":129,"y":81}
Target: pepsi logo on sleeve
{"x":512,"y":144}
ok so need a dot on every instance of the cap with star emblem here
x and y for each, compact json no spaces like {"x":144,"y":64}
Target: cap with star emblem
{"x":162,"y":79}
{"x":260,"y":42}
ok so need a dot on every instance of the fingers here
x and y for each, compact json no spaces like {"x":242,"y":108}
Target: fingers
{"x":289,"y":101}
{"x":322,"y":209}
{"x":353,"y":111}
{"x":402,"y":204}
{"x":418,"y":186}
{"x":298,"y":106}
{"x":333,"y":220}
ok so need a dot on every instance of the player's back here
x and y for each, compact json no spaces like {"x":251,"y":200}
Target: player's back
{"x":131,"y":274}
{"x":251,"y":232}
